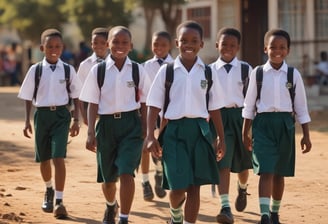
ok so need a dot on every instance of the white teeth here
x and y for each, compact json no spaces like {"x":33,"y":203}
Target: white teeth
{"x":54,"y":55}
{"x":188,"y":51}
{"x":119,"y":52}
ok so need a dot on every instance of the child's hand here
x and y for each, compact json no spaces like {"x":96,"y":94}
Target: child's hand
{"x":306,"y":144}
{"x":91,"y":143}
{"x":247,"y":142}
{"x":220,"y":149}
{"x":27,"y":130}
{"x":75,"y":129}
{"x":152,"y":145}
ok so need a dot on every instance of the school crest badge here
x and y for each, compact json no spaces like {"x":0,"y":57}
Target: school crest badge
{"x":203,"y":84}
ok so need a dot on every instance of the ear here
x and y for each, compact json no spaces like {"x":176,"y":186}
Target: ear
{"x":176,"y":43}
{"x":216,"y":45}
{"x":41,"y":48}
{"x":202,"y":44}
{"x":131,"y":46}
{"x":265,"y":50}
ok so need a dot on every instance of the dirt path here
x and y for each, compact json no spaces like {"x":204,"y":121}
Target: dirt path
{"x":21,"y":188}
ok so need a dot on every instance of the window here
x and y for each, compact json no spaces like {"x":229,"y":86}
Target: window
{"x":321,"y":19}
{"x":203,"y":17}
{"x":292,"y":17}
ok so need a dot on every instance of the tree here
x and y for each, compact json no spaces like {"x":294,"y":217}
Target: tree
{"x":31,"y":17}
{"x":89,"y":14}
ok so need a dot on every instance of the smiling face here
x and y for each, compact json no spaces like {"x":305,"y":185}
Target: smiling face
{"x":189,"y":42}
{"x":161,"y":46}
{"x":120,"y":44}
{"x":277,"y":50}
{"x":52,"y":47}
{"x":99,"y":45}
{"x":228,"y":46}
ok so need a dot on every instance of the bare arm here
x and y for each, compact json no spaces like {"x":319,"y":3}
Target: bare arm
{"x":151,"y":144}
{"x":28,"y":127}
{"x":91,"y":143}
{"x":306,"y":144}
{"x":220,"y":144}
{"x":247,"y":139}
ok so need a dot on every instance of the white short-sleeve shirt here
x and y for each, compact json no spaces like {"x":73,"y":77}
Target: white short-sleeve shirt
{"x":275,"y":96}
{"x":52,"y":89}
{"x":117,"y":93}
{"x":152,"y":66}
{"x":231,"y":83}
{"x":187,"y":93}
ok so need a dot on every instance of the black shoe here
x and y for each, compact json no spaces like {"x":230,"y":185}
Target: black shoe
{"x":274,"y":218}
{"x":241,"y":200}
{"x":265,"y":219}
{"x":148,"y":194}
{"x":171,"y":222}
{"x":60,"y":211}
{"x":110,"y":214}
{"x":225,"y":216}
{"x":48,"y":202}
{"x":160,"y":192}
{"x":124,"y":221}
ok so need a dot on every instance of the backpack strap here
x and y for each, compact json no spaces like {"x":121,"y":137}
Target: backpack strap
{"x":67,"y":77}
{"x":136,"y":78}
{"x":168,"y":83}
{"x":244,"y":77}
{"x":101,"y":68}
{"x":37,"y":77}
{"x":259,"y":79}
{"x":290,"y":84}
{"x":208,"y":76}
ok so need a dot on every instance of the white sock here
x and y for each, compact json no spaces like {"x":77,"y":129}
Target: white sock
{"x":185,"y":222}
{"x":59,"y":194}
{"x":145,"y":177}
{"x":48,"y":183}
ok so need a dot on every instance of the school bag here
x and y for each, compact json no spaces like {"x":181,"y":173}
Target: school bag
{"x":244,"y":77}
{"x":289,"y":84}
{"x":37,"y":77}
{"x":135,"y":76}
{"x":169,"y":77}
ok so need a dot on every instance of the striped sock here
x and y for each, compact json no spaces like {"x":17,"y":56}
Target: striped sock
{"x":265,"y":206}
{"x":224,"y":200}
{"x":275,"y":205}
{"x":176,"y":214}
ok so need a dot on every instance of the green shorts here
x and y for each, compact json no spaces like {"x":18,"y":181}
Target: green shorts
{"x":237,"y":158}
{"x":51,"y":133}
{"x":274,"y":144}
{"x":119,"y":145}
{"x":188,"y":155}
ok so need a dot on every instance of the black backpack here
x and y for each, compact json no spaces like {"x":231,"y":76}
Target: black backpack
{"x":37,"y":77}
{"x":244,"y":77}
{"x":135,"y":76}
{"x":169,"y":80}
{"x":290,"y":81}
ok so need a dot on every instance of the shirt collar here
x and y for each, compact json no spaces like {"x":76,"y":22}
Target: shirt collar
{"x":267,"y":66}
{"x":178,"y":63}
{"x":220,"y":63}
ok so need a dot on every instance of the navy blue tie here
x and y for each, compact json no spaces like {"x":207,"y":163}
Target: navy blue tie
{"x":53,"y":67}
{"x":160,"y":61}
{"x":227,"y":67}
{"x":99,"y":60}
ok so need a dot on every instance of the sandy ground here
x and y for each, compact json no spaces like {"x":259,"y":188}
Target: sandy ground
{"x":21,"y":187}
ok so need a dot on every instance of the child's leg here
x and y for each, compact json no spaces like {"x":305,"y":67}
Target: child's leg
{"x":148,"y":194}
{"x":109,"y":191}
{"x":265,"y":191}
{"x":177,"y":197}
{"x":223,"y":187}
{"x":45,"y":168}
{"x":277,"y":192}
{"x":192,"y":204}
{"x":127,"y":189}
{"x":60,"y":173}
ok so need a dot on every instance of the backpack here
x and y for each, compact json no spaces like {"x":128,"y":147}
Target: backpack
{"x":37,"y":77}
{"x":169,"y":80}
{"x":101,"y":68}
{"x":290,"y":81}
{"x":244,"y":77}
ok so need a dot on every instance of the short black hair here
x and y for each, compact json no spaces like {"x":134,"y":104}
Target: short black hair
{"x":102,"y":31}
{"x":163,"y":34}
{"x":229,"y":31}
{"x":276,"y":32}
{"x":50,"y":33}
{"x":119,"y":28}
{"x":192,"y":25}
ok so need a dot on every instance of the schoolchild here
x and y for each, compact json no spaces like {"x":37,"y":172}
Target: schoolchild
{"x":118,"y":135}
{"x":228,"y":68}
{"x":49,"y":91}
{"x":100,"y":50}
{"x":189,"y":160}
{"x":271,"y":110}
{"x":161,"y":46}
